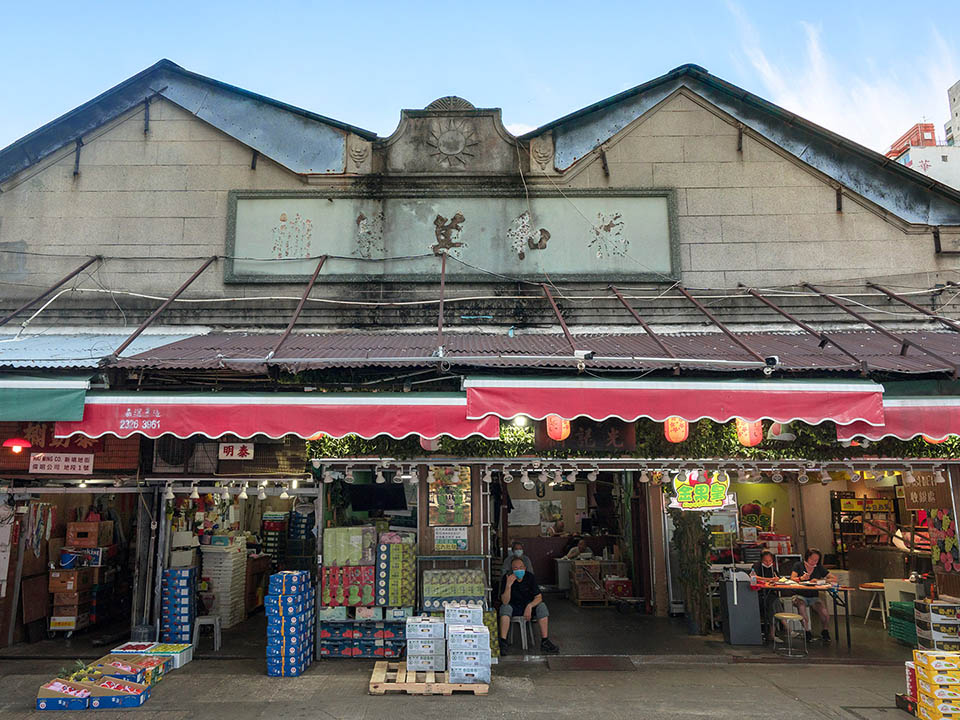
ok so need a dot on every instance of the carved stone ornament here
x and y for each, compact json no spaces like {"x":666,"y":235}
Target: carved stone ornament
{"x":450,"y":102}
{"x":541,"y":150}
{"x":358,"y":151}
{"x":452,"y":141}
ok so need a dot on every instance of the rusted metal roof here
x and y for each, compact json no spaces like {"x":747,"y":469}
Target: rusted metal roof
{"x":796,"y":352}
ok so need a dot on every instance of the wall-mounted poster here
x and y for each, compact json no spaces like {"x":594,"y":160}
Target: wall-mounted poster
{"x":449,"y":495}
{"x":551,"y":517}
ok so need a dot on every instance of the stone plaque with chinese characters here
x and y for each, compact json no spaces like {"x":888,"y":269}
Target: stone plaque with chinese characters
{"x":235,"y":451}
{"x":609,"y":436}
{"x":925,"y":494}
{"x":61,"y":463}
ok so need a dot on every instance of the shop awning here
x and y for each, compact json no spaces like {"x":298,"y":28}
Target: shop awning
{"x":810,"y":401}
{"x":429,"y":415}
{"x":42,"y":399}
{"x":912,"y":408}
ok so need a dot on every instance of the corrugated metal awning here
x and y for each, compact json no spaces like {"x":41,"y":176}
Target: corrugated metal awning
{"x":74,"y":350}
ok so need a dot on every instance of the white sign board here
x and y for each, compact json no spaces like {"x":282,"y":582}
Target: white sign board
{"x":450,"y":539}
{"x":524,"y":513}
{"x":61,"y":463}
{"x":235,"y":451}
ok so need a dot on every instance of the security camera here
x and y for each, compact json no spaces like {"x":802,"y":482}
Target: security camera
{"x":583,"y":354}
{"x":772,"y":360}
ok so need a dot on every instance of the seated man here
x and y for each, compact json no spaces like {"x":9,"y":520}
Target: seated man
{"x":580,"y":551}
{"x":520,"y":595}
{"x":806,"y":570}
{"x":516,"y":551}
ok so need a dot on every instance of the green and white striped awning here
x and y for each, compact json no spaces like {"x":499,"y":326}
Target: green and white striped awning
{"x":42,"y":399}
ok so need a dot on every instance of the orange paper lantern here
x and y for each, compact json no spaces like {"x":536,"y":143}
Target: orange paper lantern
{"x":676,"y":429}
{"x":931,"y":441}
{"x":558,"y":428}
{"x":749,"y":433}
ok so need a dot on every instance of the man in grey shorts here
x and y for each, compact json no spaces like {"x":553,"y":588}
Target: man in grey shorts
{"x":521,"y":596}
{"x":810,"y":570}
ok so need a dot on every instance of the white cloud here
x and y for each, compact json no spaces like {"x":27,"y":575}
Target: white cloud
{"x":519,"y":128}
{"x":873,"y":108}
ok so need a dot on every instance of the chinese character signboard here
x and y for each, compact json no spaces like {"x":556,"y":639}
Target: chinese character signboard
{"x":609,"y":436}
{"x":235,"y":451}
{"x":701,"y":491}
{"x":449,"y":496}
{"x":61,"y":463}
{"x":450,"y":539}
{"x":926,"y":494}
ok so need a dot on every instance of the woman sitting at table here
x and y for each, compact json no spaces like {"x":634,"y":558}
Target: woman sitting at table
{"x":810,"y":570}
{"x":765,"y":571}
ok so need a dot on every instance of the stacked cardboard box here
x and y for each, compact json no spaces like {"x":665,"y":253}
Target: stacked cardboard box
{"x":937,"y":684}
{"x":396,"y":575}
{"x":301,"y":543}
{"x":351,"y":586}
{"x":442,"y":587}
{"x":273,"y":531}
{"x":225,"y":574}
{"x":361,"y":638}
{"x":71,"y":590}
{"x":291,"y":614}
{"x":349,"y":546}
{"x":468,"y":653}
{"x":585,"y":581}
{"x":178,"y":602}
{"x":426,"y":643}
{"x":938,"y":625}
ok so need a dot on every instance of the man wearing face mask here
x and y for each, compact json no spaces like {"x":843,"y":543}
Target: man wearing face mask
{"x":516,"y":551}
{"x":521,"y":596}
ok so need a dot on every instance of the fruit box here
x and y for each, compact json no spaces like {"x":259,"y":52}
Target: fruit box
{"x":937,"y":660}
{"x":122,"y":667}
{"x":109,"y":692}
{"x":70,"y":580}
{"x":62,"y":695}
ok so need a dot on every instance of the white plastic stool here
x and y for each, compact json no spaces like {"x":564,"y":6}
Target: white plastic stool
{"x":212,"y":621}
{"x":876,"y":593}
{"x":524,"y":629}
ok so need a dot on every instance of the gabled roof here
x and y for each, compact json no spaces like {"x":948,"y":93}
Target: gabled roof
{"x":906,"y":193}
{"x":298,"y":139}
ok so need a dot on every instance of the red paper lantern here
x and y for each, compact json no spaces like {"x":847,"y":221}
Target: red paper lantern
{"x":558,"y":428}
{"x":749,"y":433}
{"x":16,"y":444}
{"x":676,"y":429}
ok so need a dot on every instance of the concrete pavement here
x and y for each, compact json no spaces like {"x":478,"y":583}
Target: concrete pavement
{"x":239,"y":690}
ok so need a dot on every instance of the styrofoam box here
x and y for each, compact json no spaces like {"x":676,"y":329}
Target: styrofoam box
{"x":462,"y":615}
{"x":426,"y":662}
{"x":425,"y":627}
{"x":429,"y":646}
{"x":469,"y":658}
{"x":480,"y":674}
{"x":467,"y":637}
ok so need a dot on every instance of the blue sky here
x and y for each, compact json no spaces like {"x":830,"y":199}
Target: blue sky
{"x":846,"y":65}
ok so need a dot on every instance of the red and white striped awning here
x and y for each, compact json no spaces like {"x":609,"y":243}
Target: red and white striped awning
{"x":809,"y":401}
{"x":428,"y":415}
{"x":936,"y":417}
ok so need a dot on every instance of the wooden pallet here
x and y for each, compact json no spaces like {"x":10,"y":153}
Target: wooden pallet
{"x":602,"y":602}
{"x":394,"y":677}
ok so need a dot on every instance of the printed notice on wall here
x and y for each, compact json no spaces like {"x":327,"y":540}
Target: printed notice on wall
{"x":450,"y":539}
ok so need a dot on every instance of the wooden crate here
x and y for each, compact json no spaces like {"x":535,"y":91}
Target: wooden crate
{"x":394,"y":677}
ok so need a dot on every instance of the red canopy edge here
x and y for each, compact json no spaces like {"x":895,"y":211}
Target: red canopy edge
{"x":908,"y":417}
{"x":811,"y":402}
{"x":276,"y":415}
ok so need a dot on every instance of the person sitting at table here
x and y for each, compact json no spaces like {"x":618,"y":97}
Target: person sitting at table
{"x":521,"y":597}
{"x":807,"y":570}
{"x":580,"y":551}
{"x":765,"y":571}
{"x":516,"y":551}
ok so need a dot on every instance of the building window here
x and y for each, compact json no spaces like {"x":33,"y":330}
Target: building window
{"x":927,"y":136}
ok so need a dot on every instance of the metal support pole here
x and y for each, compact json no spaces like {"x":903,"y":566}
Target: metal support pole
{"x":156,"y":313}
{"x":643,"y":324}
{"x":556,"y":310}
{"x":723,"y":328}
{"x":296,"y":313}
{"x":952,"y":324}
{"x":63,"y":281}
{"x":443,"y":286}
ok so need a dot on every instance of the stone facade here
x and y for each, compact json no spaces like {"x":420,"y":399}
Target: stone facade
{"x":751,"y":214}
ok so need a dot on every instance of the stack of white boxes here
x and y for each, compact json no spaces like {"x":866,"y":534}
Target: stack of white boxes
{"x":468,"y":644}
{"x":225,"y":570}
{"x":426,"y":646}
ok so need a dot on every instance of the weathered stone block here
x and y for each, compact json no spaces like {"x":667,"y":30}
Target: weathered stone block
{"x":719,"y":201}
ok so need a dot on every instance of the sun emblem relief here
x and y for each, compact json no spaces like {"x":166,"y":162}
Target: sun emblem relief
{"x":452,"y":142}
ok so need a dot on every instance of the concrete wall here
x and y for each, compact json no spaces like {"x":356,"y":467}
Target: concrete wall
{"x":750,"y":217}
